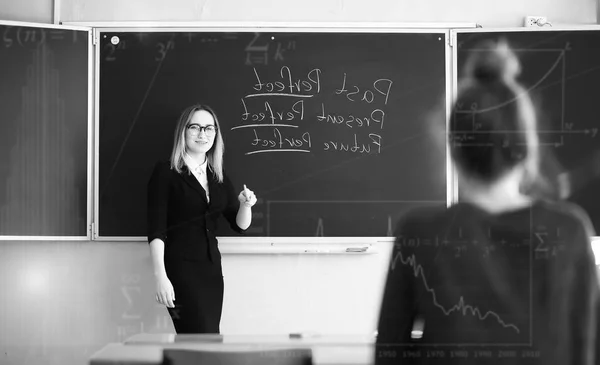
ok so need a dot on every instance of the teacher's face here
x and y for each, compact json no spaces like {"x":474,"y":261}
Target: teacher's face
{"x":200,"y":132}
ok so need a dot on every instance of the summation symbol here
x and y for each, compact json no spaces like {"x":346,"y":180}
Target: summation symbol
{"x":460,"y":307}
{"x":546,"y":248}
{"x":257,"y":52}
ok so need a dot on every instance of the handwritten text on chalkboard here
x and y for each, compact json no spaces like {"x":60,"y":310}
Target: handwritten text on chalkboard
{"x":286,"y":130}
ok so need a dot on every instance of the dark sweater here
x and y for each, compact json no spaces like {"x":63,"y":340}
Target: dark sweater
{"x":519,"y":287}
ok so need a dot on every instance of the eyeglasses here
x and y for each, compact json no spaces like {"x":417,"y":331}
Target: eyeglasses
{"x":195,"y":129}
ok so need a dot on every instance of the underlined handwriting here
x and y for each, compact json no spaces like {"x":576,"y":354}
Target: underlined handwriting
{"x":290,"y":111}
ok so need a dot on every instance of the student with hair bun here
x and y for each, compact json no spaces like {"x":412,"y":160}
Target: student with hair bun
{"x":504,"y":276}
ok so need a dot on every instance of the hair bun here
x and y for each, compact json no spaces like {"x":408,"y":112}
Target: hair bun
{"x":493,"y":62}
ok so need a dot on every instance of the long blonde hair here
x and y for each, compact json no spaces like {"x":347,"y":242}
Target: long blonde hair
{"x":214,"y":156}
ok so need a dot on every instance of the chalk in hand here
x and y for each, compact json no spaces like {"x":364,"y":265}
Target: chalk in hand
{"x":246,"y":194}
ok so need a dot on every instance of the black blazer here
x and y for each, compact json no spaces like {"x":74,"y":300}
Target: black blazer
{"x":180,"y":215}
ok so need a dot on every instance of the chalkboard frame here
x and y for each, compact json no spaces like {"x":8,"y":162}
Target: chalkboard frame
{"x":89,"y":143}
{"x":287,"y":244}
{"x":455,"y":33}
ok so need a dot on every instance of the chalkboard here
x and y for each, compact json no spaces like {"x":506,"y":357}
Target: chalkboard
{"x":345,"y":112}
{"x":561,"y":69}
{"x":44,"y":131}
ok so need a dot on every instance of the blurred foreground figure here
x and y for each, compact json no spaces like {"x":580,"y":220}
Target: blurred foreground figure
{"x":506,"y":276}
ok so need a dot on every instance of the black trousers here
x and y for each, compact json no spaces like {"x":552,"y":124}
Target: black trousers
{"x":198,"y":290}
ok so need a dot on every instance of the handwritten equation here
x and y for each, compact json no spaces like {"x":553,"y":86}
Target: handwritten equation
{"x":30,"y":36}
{"x":280,"y":126}
{"x":261,"y":49}
{"x":547,"y":243}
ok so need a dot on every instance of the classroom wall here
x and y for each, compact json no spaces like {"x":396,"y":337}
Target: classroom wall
{"x":487,"y":13}
{"x":61,"y":301}
{"x":37,"y":11}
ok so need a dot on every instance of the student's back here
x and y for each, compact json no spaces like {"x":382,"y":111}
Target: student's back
{"x":504,"y":277}
{"x":517,"y":287}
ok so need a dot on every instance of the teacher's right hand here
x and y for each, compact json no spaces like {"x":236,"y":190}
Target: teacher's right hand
{"x":164,"y":291}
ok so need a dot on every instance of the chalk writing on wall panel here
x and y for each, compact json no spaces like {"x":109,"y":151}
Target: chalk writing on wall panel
{"x":43,"y":134}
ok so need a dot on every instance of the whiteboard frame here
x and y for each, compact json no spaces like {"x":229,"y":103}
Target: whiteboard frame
{"x":295,"y":26}
{"x":268,"y":244}
{"x":89,"y":182}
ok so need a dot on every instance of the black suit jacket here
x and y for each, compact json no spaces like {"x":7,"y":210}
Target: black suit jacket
{"x":180,"y":215}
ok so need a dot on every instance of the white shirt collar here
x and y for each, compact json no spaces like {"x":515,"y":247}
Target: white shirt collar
{"x":193,"y":165}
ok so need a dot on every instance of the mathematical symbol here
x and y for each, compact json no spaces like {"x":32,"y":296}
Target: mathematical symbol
{"x":57,"y":34}
{"x":256,"y":59}
{"x":7,"y":40}
{"x":251,"y":47}
{"x":30,"y":36}
{"x":540,"y":236}
{"x":413,"y":242}
{"x":541,"y":250}
{"x":278,"y":53}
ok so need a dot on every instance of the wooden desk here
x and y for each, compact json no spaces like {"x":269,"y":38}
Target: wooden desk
{"x":146,"y":349}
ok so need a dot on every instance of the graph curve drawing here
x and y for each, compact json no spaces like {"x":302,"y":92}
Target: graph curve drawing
{"x":460,"y":307}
